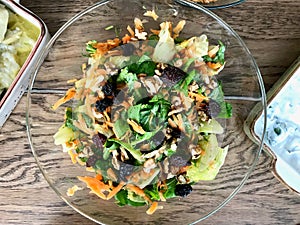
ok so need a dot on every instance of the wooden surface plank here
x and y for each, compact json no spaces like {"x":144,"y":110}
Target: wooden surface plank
{"x":271,"y":31}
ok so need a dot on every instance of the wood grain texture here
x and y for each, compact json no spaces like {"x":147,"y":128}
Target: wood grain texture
{"x":270,"y":29}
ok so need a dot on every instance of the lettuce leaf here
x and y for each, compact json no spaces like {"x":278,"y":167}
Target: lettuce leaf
{"x":210,"y":172}
{"x":165,"y":48}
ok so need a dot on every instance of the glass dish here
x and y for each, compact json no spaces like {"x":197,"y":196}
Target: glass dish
{"x":220,"y":4}
{"x":62,"y":60}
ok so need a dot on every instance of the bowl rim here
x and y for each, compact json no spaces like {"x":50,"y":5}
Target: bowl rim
{"x":214,"y":5}
{"x":180,"y":2}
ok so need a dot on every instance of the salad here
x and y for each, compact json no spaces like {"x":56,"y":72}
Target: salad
{"x":144,"y":116}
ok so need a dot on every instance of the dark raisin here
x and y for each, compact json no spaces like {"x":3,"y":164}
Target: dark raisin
{"x":128,"y":49}
{"x":107,"y":89}
{"x":178,"y":161}
{"x":125,"y":170}
{"x":158,"y":139}
{"x":99,"y":140}
{"x":102,"y":104}
{"x":92,"y":161}
{"x":171,"y":75}
{"x":183,"y":190}
{"x":203,"y":107}
{"x":213,"y":108}
{"x":176,"y":133}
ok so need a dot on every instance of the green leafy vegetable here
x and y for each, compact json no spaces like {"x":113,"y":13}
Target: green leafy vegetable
{"x":90,"y":47}
{"x":171,"y":185}
{"x":211,"y":126}
{"x":69,"y":117}
{"x":152,"y":192}
{"x":210,"y":172}
{"x":220,"y":55}
{"x":145,"y":137}
{"x":144,"y":65}
{"x":120,"y":128}
{"x":125,"y":197}
{"x":165,"y":48}
{"x":121,"y":198}
{"x":63,"y":135}
{"x":127,"y":77}
{"x":108,"y":147}
{"x":184,"y":84}
{"x":134,"y":152}
{"x":154,"y":114}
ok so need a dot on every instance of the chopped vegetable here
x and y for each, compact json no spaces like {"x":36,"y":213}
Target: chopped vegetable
{"x":165,"y":48}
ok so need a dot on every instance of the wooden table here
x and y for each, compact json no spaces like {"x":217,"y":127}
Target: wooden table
{"x":271,"y":30}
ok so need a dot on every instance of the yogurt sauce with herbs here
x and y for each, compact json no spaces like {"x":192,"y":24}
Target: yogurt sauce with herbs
{"x":283,"y":123}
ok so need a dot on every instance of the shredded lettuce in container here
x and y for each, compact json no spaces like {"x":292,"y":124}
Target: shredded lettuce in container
{"x":146,"y":115}
{"x":17,"y":38}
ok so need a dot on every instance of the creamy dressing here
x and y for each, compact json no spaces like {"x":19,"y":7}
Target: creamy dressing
{"x":283,"y":123}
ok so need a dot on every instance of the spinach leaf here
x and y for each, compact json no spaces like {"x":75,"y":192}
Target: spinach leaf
{"x":133,"y":203}
{"x":120,"y":128}
{"x":154,"y":114}
{"x":108,"y":147}
{"x":188,"y":79}
{"x":143,"y":65}
{"x":103,"y":166}
{"x":185,"y":82}
{"x":145,"y":137}
{"x":170,"y":192}
{"x":134,"y":112}
{"x":90,"y":49}
{"x":121,"y":198}
{"x":70,"y":116}
{"x":134,"y":152}
{"x":152,"y":192}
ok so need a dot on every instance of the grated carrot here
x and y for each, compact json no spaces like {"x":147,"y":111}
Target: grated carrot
{"x":73,"y":156}
{"x":138,"y":191}
{"x":115,"y":190}
{"x":97,"y":187}
{"x":99,"y":176}
{"x":214,"y":66}
{"x":198,"y":97}
{"x":126,"y":39}
{"x":69,"y":95}
{"x":71,"y":191}
{"x":179,"y":27}
{"x":152,"y":208}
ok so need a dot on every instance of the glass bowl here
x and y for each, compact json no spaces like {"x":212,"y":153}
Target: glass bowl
{"x":61,"y":62}
{"x":220,"y":4}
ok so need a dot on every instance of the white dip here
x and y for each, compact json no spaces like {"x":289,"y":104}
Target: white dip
{"x":283,"y":123}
